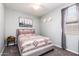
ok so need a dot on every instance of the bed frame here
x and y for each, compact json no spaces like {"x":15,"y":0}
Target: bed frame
{"x":40,"y":51}
{"x":37,"y":52}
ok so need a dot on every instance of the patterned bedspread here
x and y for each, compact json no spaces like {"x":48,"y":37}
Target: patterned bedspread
{"x":31,"y":42}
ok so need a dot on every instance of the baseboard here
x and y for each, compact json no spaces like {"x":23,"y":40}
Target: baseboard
{"x":72,"y":51}
{"x":57,"y":46}
{"x":2,"y":51}
{"x":10,"y":44}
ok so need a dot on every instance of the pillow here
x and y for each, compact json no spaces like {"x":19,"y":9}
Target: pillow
{"x":26,"y":31}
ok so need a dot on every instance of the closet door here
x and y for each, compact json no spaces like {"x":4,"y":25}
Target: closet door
{"x":70,"y":28}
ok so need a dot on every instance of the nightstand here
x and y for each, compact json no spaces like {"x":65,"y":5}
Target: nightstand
{"x":10,"y":39}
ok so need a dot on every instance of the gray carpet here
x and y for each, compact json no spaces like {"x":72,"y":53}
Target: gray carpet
{"x":13,"y":51}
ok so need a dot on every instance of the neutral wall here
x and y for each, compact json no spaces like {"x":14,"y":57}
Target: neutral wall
{"x":11,"y":17}
{"x":1,"y":28}
{"x":53,"y":29}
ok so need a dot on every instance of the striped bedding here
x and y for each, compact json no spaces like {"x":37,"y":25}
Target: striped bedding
{"x":32,"y":41}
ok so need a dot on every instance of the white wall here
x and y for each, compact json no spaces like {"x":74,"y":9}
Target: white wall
{"x":11,"y":17}
{"x":53,"y":30}
{"x":1,"y":28}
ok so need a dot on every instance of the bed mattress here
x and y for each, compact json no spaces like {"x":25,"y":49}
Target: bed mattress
{"x":33,"y":44}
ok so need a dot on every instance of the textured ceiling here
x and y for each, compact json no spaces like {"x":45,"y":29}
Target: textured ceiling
{"x":27,"y":8}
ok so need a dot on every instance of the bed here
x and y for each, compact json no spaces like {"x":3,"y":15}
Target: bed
{"x":31,"y":44}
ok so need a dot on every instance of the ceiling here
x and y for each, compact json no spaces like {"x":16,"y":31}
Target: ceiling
{"x":27,"y":8}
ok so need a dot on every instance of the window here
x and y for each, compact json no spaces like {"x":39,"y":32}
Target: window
{"x":71,"y":14}
{"x":71,"y":22}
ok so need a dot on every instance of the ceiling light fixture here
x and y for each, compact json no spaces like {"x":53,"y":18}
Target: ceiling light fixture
{"x":36,"y":6}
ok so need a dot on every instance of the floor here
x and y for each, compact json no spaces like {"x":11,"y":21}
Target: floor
{"x":13,"y":51}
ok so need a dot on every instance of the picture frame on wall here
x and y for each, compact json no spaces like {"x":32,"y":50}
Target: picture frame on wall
{"x":25,"y":22}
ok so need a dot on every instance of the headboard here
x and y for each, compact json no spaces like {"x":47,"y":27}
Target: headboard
{"x":25,"y":31}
